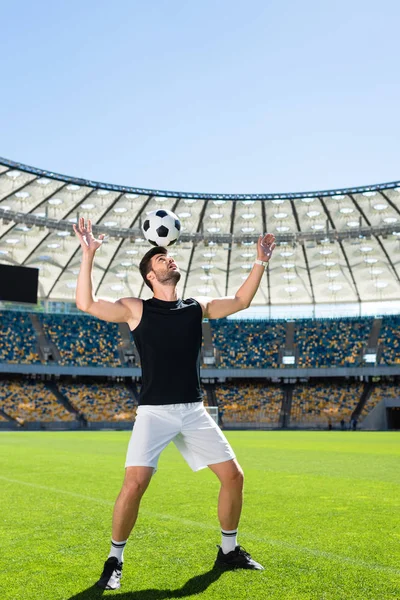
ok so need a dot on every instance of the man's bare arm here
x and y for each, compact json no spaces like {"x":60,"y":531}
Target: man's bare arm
{"x":123,"y":310}
{"x":216,"y":308}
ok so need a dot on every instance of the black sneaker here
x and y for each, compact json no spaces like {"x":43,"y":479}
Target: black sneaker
{"x":237,"y":559}
{"x":111,"y":576}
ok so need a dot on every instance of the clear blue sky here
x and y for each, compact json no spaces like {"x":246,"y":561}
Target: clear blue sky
{"x":211,"y":96}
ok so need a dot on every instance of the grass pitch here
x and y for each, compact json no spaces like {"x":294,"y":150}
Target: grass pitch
{"x":321,"y":513}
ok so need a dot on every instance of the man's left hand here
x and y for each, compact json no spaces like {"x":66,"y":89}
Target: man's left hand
{"x":265,"y":246}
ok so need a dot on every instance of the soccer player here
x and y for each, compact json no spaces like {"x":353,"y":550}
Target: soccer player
{"x":168,"y":332}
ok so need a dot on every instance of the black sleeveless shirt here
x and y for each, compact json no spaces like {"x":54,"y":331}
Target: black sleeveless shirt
{"x":168,"y":339}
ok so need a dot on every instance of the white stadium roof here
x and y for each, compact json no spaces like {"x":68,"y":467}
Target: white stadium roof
{"x":335,"y":246}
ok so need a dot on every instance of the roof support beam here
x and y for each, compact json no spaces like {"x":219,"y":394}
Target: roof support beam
{"x":203,"y":210}
{"x":32,"y":209}
{"x":296,"y":217}
{"x":137,"y":218}
{"x":175,"y":205}
{"x":19,"y":189}
{"x":391,"y":265}
{"x":61,"y":273}
{"x":228,"y":264}
{"x":328,"y":216}
{"x":390,"y":202}
{"x":385,"y":252}
{"x":50,"y":232}
{"x":265,"y":229}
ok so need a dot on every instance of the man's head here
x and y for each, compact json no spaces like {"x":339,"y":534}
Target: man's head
{"x":157,"y":266}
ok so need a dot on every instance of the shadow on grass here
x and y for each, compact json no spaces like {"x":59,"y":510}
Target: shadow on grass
{"x":193,"y":586}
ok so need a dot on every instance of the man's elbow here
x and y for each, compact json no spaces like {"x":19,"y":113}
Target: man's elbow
{"x":84,"y":307}
{"x":243,"y":303}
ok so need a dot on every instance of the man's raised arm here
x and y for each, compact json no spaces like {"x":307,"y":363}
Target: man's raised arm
{"x":120,"y":311}
{"x":216,"y":308}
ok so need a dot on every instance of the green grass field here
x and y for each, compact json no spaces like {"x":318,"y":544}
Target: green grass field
{"x":321,"y":513}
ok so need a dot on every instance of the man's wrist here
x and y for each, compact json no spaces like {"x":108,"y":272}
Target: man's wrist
{"x":88,"y":256}
{"x":263,"y":263}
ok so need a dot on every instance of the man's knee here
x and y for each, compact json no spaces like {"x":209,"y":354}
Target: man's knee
{"x":230,"y":474}
{"x":235,"y":480}
{"x":136,"y":482}
{"x":133,"y":489}
{"x":238,"y":476}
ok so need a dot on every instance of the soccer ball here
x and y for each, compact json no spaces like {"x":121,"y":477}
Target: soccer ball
{"x":161,"y":227}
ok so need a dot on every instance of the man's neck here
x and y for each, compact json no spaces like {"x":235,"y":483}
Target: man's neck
{"x":168,"y":294}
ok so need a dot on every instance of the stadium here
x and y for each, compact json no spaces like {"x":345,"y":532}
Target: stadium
{"x":319,"y":347}
{"x":314,"y":358}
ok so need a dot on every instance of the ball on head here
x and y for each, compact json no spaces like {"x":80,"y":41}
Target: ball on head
{"x":161,"y":227}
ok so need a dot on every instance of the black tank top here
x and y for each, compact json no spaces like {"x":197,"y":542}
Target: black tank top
{"x":168,"y":339}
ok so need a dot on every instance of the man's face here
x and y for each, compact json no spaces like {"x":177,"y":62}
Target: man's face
{"x":165,"y":269}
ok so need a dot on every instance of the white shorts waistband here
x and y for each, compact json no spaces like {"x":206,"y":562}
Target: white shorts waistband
{"x":182,"y":406}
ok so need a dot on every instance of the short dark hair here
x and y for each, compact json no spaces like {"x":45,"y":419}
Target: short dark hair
{"x":145,"y":263}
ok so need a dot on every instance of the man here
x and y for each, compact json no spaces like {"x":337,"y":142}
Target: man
{"x":167,"y":332}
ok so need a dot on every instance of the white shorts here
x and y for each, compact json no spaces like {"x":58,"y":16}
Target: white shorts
{"x":195,"y":434}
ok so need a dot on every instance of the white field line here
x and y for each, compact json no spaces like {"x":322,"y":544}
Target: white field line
{"x":279,"y":543}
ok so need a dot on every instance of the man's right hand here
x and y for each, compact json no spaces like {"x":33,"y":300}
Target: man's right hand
{"x":89,"y":243}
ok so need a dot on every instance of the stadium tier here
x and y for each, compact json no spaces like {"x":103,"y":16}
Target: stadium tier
{"x":84,"y":341}
{"x":249,"y":402}
{"x":240,"y":402}
{"x":17,"y":338}
{"x":101,"y":402}
{"x":324,"y":343}
{"x":390,"y":340}
{"x":383,"y":391}
{"x":317,"y":404}
{"x":248,"y":344}
{"x":30,"y":401}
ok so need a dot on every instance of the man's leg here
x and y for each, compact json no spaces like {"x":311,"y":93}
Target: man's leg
{"x":126,"y":509}
{"x":202,"y":443}
{"x":230,"y":555}
{"x":230,"y":498}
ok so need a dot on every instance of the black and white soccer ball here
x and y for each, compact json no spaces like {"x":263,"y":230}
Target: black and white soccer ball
{"x":161,"y":227}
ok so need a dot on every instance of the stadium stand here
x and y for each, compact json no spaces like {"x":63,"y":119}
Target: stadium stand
{"x":17,"y":338}
{"x":101,"y":401}
{"x":30,"y":401}
{"x":382,"y":391}
{"x":249,"y":402}
{"x":86,"y":341}
{"x":248,"y":344}
{"x":315,"y":404}
{"x":336,"y":342}
{"x":83,"y":340}
{"x":390,"y":340}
